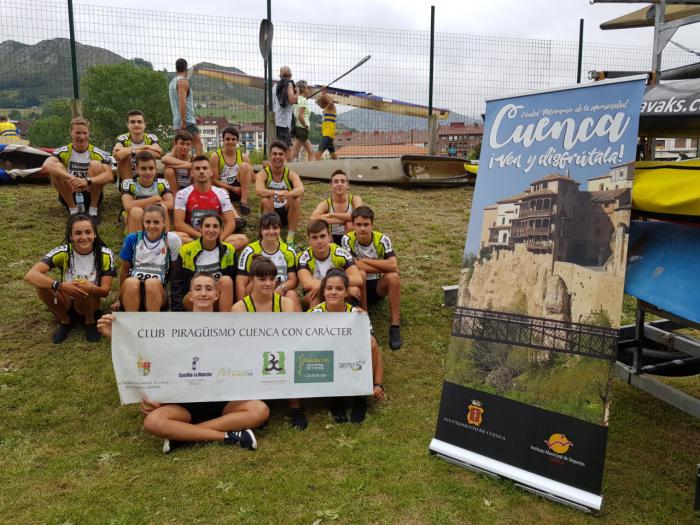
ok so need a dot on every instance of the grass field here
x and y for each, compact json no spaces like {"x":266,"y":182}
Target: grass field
{"x":70,"y":454}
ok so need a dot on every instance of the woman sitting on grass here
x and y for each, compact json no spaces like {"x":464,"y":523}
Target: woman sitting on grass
{"x":226,"y":421}
{"x":334,"y":292}
{"x":87,"y":270}
{"x":150,"y":259}
{"x":211,"y":255}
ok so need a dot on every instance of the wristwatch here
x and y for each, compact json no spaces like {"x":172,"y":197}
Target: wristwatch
{"x":88,"y":180}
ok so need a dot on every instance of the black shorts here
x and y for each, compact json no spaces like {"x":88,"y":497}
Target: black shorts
{"x":283,"y":135}
{"x":200,"y":412}
{"x":283,"y":213}
{"x":337,"y":238}
{"x":301,"y":134}
{"x":233,"y":195}
{"x":371,"y":290}
{"x":326,"y":144}
{"x":86,"y":196}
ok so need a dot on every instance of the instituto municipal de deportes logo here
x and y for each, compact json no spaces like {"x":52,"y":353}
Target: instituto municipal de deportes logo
{"x":559,"y":443}
{"x":143,"y":366}
{"x":273,"y":362}
{"x":475,"y":414}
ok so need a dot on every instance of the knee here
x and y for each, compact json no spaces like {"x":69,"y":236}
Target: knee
{"x":260,"y":411}
{"x":130,"y":285}
{"x":152,"y":286}
{"x":294,"y":203}
{"x":135,"y":214}
{"x":266,"y":204}
{"x":225,"y":284}
{"x":392,"y":278}
{"x":153,"y":424}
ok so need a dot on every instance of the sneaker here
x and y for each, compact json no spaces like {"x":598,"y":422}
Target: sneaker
{"x":243,"y":438}
{"x":91,"y":333}
{"x":240,"y":224}
{"x":359,"y":409}
{"x":245,"y":208}
{"x":61,"y":333}
{"x":395,"y":340}
{"x":170,"y":444}
{"x":299,"y":420}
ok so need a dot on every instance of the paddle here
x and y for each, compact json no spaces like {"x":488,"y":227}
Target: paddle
{"x":353,"y":68}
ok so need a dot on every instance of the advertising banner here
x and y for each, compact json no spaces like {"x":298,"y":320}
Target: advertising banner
{"x":526,"y":393}
{"x":173,"y":357}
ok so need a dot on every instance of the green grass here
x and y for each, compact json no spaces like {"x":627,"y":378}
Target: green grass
{"x":232,"y":115}
{"x":70,"y":454}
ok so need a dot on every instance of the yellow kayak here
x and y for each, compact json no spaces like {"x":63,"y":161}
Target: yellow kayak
{"x":667,"y":188}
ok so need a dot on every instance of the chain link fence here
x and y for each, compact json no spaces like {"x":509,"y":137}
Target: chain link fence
{"x":35,"y":62}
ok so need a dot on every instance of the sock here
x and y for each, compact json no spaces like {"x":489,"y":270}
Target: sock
{"x":93,"y":211}
{"x":290,"y":237}
{"x":73,"y":211}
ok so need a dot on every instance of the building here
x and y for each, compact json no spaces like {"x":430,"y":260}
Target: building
{"x":459,"y":139}
{"x":252,"y":136}
{"x":210,"y":129}
{"x":554,"y":216}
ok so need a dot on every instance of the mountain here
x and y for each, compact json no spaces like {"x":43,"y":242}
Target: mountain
{"x":369,"y":120}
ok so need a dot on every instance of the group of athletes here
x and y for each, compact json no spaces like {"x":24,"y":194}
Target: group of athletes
{"x":184,"y":250}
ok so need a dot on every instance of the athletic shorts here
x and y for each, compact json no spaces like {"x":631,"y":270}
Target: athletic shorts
{"x":371,"y":289}
{"x":301,"y":134}
{"x":283,"y":135}
{"x":283,"y":213}
{"x":232,"y":194}
{"x":326,"y":144}
{"x":201,"y":412}
{"x":192,"y":128}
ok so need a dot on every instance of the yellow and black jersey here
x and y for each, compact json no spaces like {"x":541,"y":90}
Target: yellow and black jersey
{"x":250,"y":305}
{"x":74,"y":266}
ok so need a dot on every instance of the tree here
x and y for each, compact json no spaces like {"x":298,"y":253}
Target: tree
{"x":51,"y":130}
{"x":110,"y":91}
{"x":15,"y":114}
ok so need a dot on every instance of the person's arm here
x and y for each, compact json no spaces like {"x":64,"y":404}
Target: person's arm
{"x":124,"y":271}
{"x":183,"y":87}
{"x":121,"y":152}
{"x":377,"y":369}
{"x":311,"y":286}
{"x":354,"y":276}
{"x":154,"y":149}
{"x":297,"y":186}
{"x":242,"y":285}
{"x":182,"y":226}
{"x":129,"y":202}
{"x":104,"y":325}
{"x":301,"y":118}
{"x":101,"y":290}
{"x":260,"y":189}
{"x":216,"y":176}
{"x":245,"y":158}
{"x":55,"y":168}
{"x":378,"y":265}
{"x":292,"y":94}
{"x":286,"y":304}
{"x":170,"y":161}
{"x":105,"y":177}
{"x":292,"y":281}
{"x":37,"y":276}
{"x":321,"y":212}
{"x":229,"y":226}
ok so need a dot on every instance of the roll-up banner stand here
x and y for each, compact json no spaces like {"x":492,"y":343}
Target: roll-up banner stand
{"x":527,"y":388}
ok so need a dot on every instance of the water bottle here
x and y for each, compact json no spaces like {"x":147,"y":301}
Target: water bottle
{"x":80,"y":201}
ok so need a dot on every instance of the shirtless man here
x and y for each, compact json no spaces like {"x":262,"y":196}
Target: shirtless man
{"x":182,"y":104}
{"x":79,"y":170}
{"x":129,"y":144}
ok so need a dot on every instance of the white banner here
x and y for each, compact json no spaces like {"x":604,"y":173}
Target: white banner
{"x":177,"y":357}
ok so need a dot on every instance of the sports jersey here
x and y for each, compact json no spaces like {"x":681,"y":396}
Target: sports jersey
{"x":379,"y":248}
{"x":250,"y":305}
{"x":228,"y":174}
{"x":328,"y":123}
{"x":8,"y":130}
{"x":284,"y":259}
{"x":77,"y":163}
{"x":126,"y":141}
{"x":197,"y":204}
{"x":337,"y":258}
{"x":219,"y":261}
{"x":323,"y":307}
{"x":284,"y":184}
{"x":339,"y":229}
{"x":133,"y":187}
{"x":74,"y":265}
{"x":150,"y":259}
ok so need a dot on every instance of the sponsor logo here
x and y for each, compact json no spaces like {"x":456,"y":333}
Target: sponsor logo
{"x":273,"y":362}
{"x":313,"y":367}
{"x":225,"y":371}
{"x":475,"y":413}
{"x":194,"y":374}
{"x":195,"y":360}
{"x":355,"y":366}
{"x":143,"y":366}
{"x":559,"y":443}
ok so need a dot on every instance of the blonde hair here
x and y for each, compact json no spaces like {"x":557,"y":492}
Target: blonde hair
{"x":79,"y":121}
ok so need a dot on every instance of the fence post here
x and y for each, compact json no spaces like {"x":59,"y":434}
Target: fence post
{"x":432,"y":120}
{"x":580,"y":50}
{"x":76,"y":106}
{"x":270,"y":119}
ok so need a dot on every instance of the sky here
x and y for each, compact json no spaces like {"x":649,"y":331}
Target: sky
{"x":546,"y":19}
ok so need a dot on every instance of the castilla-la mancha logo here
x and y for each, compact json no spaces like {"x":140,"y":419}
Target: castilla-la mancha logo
{"x":143,"y":366}
{"x":559,"y":443}
{"x":475,"y":415}
{"x":273,"y":362}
